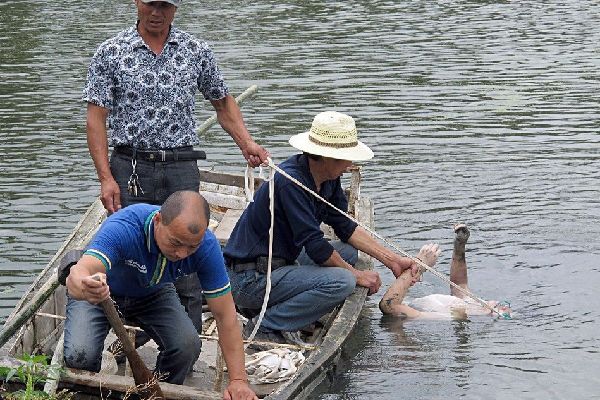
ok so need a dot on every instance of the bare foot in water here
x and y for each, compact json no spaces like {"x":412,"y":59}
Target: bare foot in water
{"x":462,"y":233}
{"x":429,"y":253}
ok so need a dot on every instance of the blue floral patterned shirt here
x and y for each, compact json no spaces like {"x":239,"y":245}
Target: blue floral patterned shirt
{"x":151,"y":98}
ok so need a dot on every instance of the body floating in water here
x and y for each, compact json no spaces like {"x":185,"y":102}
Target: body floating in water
{"x":456,"y":305}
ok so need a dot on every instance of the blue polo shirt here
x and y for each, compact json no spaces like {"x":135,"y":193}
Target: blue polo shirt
{"x":298,"y":217}
{"x":135,"y":267}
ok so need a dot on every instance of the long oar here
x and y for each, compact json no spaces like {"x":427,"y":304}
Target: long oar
{"x":146,"y":382}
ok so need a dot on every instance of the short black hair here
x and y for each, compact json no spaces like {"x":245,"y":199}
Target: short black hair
{"x":178,"y":201}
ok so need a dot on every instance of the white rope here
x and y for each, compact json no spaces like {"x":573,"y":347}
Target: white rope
{"x":398,"y":249}
{"x":249,"y":184}
{"x":263,"y":309}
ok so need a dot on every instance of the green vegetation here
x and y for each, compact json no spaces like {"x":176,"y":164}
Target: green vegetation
{"x":34,"y":370}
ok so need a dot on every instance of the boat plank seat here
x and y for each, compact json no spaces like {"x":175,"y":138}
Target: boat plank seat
{"x":223,"y":231}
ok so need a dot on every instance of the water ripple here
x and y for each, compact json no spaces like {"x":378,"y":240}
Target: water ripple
{"x":478,"y":111}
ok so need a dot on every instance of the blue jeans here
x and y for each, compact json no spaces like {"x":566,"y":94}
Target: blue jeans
{"x":160,"y":315}
{"x":159,"y":180}
{"x":300,"y":294}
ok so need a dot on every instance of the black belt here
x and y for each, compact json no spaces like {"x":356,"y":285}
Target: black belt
{"x":260,"y":264}
{"x":175,"y":154}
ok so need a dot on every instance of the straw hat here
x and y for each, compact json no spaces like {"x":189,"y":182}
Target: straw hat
{"x":333,"y":135}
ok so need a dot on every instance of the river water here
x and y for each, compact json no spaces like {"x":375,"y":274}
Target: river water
{"x":478,"y":111}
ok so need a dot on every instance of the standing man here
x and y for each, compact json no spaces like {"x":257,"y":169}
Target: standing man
{"x":137,"y":254}
{"x":143,"y":82}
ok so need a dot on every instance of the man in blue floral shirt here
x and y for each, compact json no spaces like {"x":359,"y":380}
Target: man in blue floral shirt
{"x":142,"y":83}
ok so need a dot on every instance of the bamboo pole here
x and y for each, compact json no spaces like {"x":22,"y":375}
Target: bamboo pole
{"x":15,"y":323}
{"x":72,"y":241}
{"x":251,"y":91}
{"x":22,"y":312}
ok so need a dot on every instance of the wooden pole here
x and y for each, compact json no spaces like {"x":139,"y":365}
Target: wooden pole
{"x":251,"y":91}
{"x":57,"y":360}
{"x":141,"y":374}
{"x":219,"y":364}
{"x":18,"y":319}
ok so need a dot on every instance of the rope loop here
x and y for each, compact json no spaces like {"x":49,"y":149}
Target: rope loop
{"x":270,"y":174}
{"x":249,"y":184}
{"x":263,"y":308}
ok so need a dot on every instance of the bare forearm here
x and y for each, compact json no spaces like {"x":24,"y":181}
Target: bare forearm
{"x":368,"y":279}
{"x":79,"y":284}
{"x":231,"y":120}
{"x":336,"y":260}
{"x":233,"y":348}
{"x":393,"y":297}
{"x":364,"y":242}
{"x":97,"y":140}
{"x":230,"y":336}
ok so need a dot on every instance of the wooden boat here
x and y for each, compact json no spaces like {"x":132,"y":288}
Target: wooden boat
{"x":35,"y":326}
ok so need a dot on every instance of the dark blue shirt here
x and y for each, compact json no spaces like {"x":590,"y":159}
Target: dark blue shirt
{"x":135,"y":267}
{"x":298,"y":216}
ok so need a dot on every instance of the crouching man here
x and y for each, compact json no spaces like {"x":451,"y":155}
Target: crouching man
{"x":142,"y":250}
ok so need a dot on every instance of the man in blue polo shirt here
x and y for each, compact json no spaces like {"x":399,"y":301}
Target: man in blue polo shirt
{"x":310,"y":275}
{"x":142,"y":250}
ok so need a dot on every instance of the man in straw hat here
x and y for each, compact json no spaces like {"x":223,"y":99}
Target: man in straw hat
{"x":310,"y":275}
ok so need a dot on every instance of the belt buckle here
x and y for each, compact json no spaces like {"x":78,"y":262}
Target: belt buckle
{"x":153,"y":157}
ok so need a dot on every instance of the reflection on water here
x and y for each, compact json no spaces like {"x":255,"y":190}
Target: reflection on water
{"x":478,"y":111}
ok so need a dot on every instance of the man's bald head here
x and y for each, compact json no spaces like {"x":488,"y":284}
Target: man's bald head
{"x":189,"y":204}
